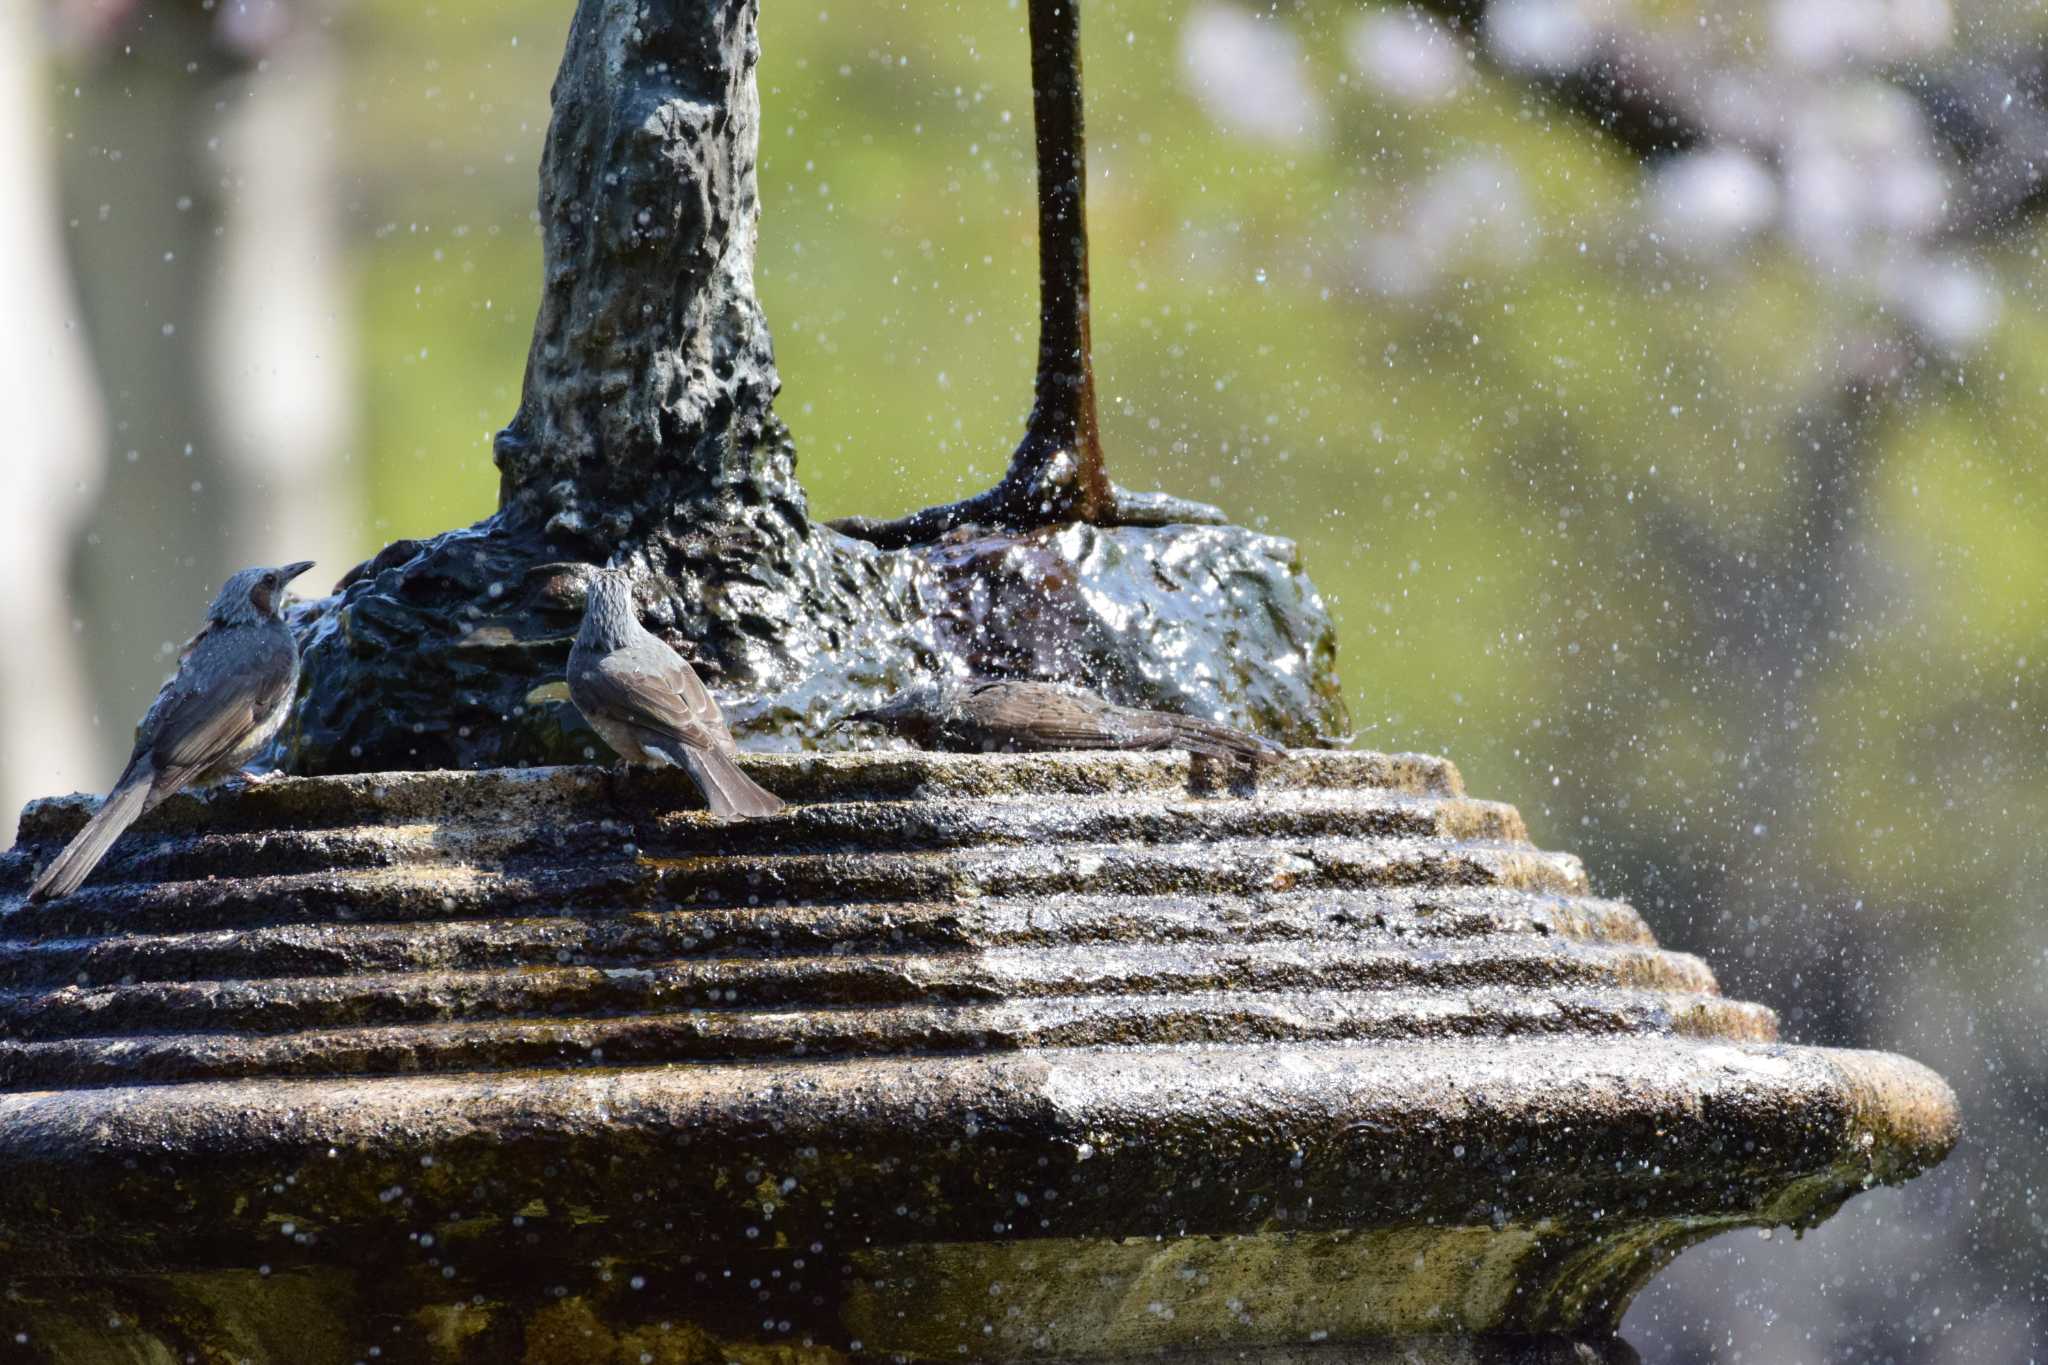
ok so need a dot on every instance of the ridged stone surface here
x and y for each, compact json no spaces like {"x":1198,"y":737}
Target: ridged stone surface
{"x":1024,"y":1057}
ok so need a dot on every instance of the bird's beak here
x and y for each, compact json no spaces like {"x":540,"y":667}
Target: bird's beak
{"x":287,"y":572}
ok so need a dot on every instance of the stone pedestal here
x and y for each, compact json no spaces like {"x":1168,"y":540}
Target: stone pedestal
{"x":963,"y":1057}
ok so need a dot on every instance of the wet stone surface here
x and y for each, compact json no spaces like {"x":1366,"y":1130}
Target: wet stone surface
{"x":513,"y":1065}
{"x":451,"y":653}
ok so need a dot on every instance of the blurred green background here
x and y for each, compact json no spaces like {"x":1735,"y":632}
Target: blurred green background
{"x":1589,"y":472}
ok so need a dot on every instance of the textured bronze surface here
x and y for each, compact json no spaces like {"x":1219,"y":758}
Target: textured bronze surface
{"x":646,"y":436}
{"x":989,"y":1057}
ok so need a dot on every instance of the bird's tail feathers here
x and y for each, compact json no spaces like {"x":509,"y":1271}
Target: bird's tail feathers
{"x":1221,"y":741}
{"x":126,"y":803}
{"x":729,"y":791}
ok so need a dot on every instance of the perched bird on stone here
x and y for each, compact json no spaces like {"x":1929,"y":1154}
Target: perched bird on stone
{"x":979,"y":716}
{"x":649,"y":704}
{"x":234,"y":683}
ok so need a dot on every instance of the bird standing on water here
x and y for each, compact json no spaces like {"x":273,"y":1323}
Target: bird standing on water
{"x":982,"y":716}
{"x":649,"y":704}
{"x":234,"y":683}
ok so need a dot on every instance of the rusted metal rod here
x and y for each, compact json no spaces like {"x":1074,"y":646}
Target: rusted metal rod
{"x":1063,"y":421}
{"x":1057,"y":473}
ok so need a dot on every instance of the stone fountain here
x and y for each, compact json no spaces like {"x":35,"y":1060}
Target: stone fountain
{"x":439,"y":1052}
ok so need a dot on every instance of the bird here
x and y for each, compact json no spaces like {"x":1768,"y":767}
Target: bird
{"x":234,"y":683}
{"x":650,"y":706}
{"x":981,"y":715}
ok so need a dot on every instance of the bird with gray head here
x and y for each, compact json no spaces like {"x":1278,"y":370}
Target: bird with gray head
{"x":983,"y":716}
{"x":234,"y":683}
{"x":650,"y":706}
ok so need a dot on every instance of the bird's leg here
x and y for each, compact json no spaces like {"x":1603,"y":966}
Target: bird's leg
{"x":1057,"y":473}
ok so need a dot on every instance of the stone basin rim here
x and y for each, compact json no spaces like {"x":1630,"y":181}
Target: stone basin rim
{"x":801,"y":777}
{"x":1850,"y":1117}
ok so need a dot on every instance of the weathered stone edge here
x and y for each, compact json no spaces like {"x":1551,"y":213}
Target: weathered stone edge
{"x":509,"y":793}
{"x":1530,"y":1131}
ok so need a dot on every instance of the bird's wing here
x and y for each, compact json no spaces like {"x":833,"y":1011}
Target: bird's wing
{"x":172,"y":694}
{"x":229,"y":683}
{"x":652,"y":687}
{"x":192,"y":645}
{"x":1044,"y":716}
{"x":1134,"y":727}
{"x":1054,"y":715}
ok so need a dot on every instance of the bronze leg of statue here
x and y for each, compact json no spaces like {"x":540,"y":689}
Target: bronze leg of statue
{"x":1057,"y":473}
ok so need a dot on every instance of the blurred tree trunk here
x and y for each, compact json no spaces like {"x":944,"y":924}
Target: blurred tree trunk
{"x":140,"y":207}
{"x":279,"y":320}
{"x":202,"y":228}
{"x":53,"y":461}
